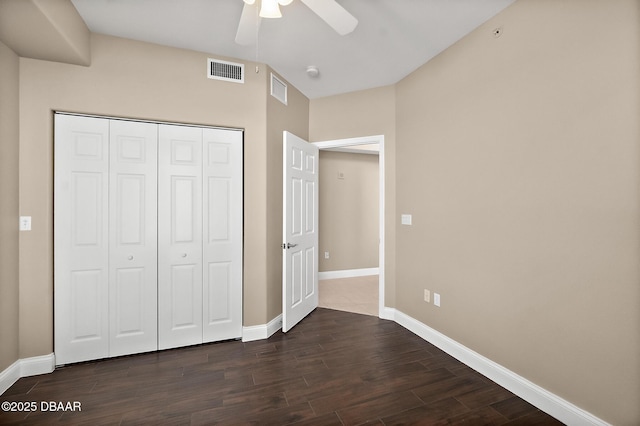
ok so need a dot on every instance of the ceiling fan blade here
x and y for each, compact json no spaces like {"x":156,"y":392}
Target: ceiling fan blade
{"x":248,"y":25}
{"x":333,"y":14}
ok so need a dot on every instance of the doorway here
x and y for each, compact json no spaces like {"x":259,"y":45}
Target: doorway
{"x":368,"y":144}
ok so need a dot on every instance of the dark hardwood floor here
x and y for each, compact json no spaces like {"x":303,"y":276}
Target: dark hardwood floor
{"x":334,"y":368}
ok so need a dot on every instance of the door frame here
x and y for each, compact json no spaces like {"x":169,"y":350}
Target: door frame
{"x":344,"y":145}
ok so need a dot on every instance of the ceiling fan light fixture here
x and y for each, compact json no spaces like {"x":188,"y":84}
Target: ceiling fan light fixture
{"x":249,"y":1}
{"x":285,"y":2}
{"x":270,"y":9}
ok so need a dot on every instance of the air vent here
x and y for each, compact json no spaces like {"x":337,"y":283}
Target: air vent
{"x":278,"y":89}
{"x":223,"y":70}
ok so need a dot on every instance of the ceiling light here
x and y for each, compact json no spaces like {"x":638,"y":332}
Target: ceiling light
{"x":284,"y":2}
{"x":270,"y":9}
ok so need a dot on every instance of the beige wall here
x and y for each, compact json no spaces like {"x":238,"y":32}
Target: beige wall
{"x":45,"y":29}
{"x":9,"y":212}
{"x":349,"y":211}
{"x":520,"y":164}
{"x":138,"y":80}
{"x":293,"y":117}
{"x":365,"y":113}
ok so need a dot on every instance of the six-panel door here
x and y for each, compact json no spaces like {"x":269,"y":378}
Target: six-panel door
{"x":81,"y":243}
{"x":132,"y":237}
{"x":180,"y":236}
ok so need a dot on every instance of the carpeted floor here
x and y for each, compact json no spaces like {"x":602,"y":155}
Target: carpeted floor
{"x":358,"y":295}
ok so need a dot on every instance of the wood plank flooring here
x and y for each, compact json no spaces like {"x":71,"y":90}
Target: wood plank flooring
{"x":334,"y":368}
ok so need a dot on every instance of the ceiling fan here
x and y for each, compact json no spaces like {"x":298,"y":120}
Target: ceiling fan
{"x":336,"y":16}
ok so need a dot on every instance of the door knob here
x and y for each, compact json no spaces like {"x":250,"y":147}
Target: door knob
{"x":184,"y":254}
{"x":130,"y":257}
{"x":288,"y":245}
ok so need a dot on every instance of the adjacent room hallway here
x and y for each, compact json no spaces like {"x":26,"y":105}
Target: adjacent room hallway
{"x":357,"y":294}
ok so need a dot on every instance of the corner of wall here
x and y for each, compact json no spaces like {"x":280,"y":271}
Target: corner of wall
{"x":9,"y":206}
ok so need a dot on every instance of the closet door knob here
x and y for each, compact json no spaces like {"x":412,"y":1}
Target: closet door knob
{"x":130,"y":257}
{"x":184,"y":254}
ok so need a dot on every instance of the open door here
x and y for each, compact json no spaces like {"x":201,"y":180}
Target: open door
{"x":300,"y":230}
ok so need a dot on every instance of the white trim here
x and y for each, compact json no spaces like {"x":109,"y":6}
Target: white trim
{"x":263,"y":331}
{"x":546,"y":401}
{"x":388,"y":314}
{"x":24,"y":368}
{"x":37,"y":365}
{"x":348,"y":273}
{"x":9,"y":376}
{"x":369,"y":140}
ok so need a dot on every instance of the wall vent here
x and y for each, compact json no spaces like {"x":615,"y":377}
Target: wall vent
{"x":223,"y":70}
{"x":278,"y":89}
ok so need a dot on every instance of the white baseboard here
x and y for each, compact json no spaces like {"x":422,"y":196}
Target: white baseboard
{"x":24,"y":368}
{"x":387,"y":313}
{"x":348,"y":273}
{"x":546,"y":401}
{"x":9,"y":376}
{"x":263,"y":331}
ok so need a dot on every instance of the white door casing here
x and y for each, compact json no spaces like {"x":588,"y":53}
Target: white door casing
{"x":81,"y":245}
{"x":132,"y":237}
{"x":179,"y":236}
{"x":222,"y":154}
{"x":300,"y":230}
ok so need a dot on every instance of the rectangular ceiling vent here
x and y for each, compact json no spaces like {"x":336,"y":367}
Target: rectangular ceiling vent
{"x":223,"y":70}
{"x":278,"y":89}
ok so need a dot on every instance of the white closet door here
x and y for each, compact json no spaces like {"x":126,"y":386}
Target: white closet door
{"x":132,"y":237}
{"x":222,"y":231}
{"x":179,"y":236}
{"x":81,"y":242}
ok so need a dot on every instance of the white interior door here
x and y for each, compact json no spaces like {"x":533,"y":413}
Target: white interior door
{"x":222,"y":234}
{"x":300,"y":230}
{"x":81,"y":245}
{"x":133,"y":316}
{"x":179,"y":236}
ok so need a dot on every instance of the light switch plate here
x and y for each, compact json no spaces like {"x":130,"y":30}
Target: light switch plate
{"x":406,"y":219}
{"x":25,"y":223}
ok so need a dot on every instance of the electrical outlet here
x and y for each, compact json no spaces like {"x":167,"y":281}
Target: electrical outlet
{"x":427,"y":295}
{"x":326,"y":254}
{"x":436,"y":299}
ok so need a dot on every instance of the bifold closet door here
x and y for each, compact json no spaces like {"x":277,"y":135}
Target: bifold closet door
{"x":222,"y":223}
{"x":200,"y":235}
{"x":179,"y":236}
{"x":104,"y":238}
{"x":81,"y":239}
{"x":147,"y":236}
{"x":133,"y":226}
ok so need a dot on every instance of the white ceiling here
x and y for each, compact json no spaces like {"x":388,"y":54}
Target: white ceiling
{"x":392,"y":39}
